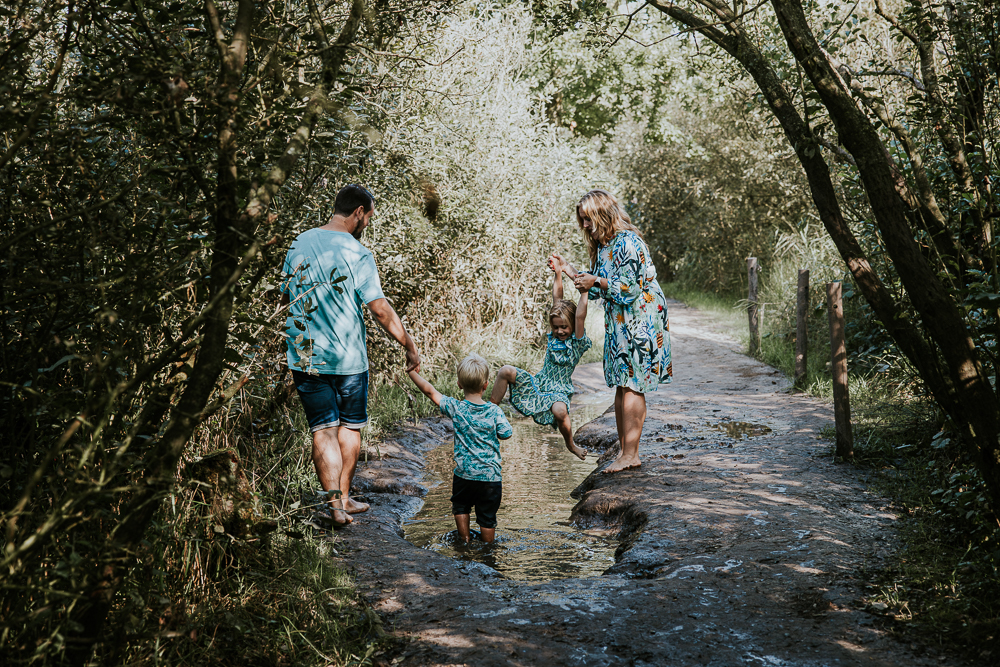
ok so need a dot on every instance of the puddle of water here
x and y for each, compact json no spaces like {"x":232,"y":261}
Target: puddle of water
{"x":740,"y":430}
{"x":534,"y":539}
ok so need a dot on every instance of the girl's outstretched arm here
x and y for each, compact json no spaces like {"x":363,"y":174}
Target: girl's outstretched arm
{"x":581,"y":316}
{"x":426,"y":387}
{"x":560,"y":265}
{"x":557,"y":287}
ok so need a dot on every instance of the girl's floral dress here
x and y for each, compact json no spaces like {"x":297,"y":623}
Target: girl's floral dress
{"x":534,"y":395}
{"x":636,"y":329}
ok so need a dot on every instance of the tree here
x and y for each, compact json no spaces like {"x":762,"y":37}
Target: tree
{"x":936,"y":294}
{"x":148,"y":148}
{"x":157,"y":159}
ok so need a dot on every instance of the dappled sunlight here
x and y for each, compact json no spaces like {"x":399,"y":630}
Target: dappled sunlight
{"x":854,"y":648}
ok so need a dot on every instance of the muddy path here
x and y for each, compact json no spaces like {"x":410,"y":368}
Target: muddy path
{"x":741,"y":543}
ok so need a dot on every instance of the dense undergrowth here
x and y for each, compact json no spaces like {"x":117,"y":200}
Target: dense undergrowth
{"x":474,"y":189}
{"x":478,"y":126}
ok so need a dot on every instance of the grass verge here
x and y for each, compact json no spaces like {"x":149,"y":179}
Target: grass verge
{"x":941,"y":588}
{"x":233,"y":571}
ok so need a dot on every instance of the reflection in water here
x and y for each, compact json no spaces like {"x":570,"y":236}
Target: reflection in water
{"x":740,"y":430}
{"x":534,"y":541}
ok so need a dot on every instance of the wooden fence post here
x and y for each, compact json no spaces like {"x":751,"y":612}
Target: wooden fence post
{"x":752,"y":310}
{"x":801,"y":327}
{"x":838,"y":368}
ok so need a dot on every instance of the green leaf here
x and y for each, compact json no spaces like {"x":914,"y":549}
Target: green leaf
{"x":984,"y":300}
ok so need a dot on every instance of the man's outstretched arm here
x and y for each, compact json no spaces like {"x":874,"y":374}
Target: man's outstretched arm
{"x":389,"y":320}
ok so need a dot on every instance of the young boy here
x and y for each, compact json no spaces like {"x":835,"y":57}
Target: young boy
{"x":479,"y":428}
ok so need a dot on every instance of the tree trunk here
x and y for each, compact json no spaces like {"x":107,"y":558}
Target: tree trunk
{"x":946,"y":359}
{"x":234,"y":247}
{"x":972,"y":403}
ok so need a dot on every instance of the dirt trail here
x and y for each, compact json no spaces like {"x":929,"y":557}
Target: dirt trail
{"x":735,"y":550}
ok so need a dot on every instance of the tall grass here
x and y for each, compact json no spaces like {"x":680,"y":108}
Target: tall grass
{"x":233,"y":571}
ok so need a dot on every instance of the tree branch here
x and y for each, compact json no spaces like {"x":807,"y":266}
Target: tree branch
{"x":894,"y":22}
{"x":262,"y":195}
{"x":43,"y":102}
{"x":696,"y":23}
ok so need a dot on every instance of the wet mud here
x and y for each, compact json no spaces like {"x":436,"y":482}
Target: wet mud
{"x":534,"y":540}
{"x":740,"y":542}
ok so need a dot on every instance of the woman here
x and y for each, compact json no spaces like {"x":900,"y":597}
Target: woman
{"x":636,"y":330}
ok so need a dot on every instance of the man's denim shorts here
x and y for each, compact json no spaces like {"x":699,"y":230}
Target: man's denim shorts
{"x":333,"y":400}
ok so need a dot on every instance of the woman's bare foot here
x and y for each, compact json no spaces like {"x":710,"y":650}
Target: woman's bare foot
{"x":577,"y":451}
{"x":622,"y":464}
{"x":355,"y":507}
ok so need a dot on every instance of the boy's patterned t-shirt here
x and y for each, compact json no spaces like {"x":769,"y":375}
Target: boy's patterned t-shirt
{"x":478,"y":432}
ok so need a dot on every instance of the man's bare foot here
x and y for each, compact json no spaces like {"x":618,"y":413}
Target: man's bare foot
{"x":339,"y":517}
{"x":577,"y":451}
{"x":621,"y":464}
{"x":355,"y":507}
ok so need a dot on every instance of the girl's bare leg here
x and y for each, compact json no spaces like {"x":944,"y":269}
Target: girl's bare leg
{"x":631,"y":419}
{"x":488,"y":534}
{"x":561,"y":413}
{"x":505,"y":376}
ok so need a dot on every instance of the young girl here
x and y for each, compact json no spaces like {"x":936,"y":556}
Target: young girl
{"x":545,"y":396}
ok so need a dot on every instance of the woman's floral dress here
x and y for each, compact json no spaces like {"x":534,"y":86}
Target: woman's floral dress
{"x":534,"y":395}
{"x":636,"y":329}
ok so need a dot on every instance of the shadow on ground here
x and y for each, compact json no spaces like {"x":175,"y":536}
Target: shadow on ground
{"x":741,"y":543}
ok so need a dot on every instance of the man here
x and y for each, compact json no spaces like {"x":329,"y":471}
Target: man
{"x":330,"y":277}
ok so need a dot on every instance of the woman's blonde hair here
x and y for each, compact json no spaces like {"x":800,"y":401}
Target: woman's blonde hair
{"x":565,"y":309}
{"x":473,"y":372}
{"x":608,"y":216}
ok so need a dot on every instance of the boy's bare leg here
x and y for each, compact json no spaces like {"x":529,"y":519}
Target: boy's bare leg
{"x":326,"y":455}
{"x":350,"y":449}
{"x":487,"y":533}
{"x":505,"y":376}
{"x":462,"y":524}
{"x":561,"y":413}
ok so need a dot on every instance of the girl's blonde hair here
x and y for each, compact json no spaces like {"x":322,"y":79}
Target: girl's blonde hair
{"x":473,"y":372}
{"x":565,"y":309}
{"x":608,"y":216}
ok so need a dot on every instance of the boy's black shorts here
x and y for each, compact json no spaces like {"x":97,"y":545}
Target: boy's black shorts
{"x":484,"y":496}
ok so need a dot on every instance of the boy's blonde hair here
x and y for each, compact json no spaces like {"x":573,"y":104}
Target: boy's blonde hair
{"x":473,"y":372}
{"x":565,"y":309}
